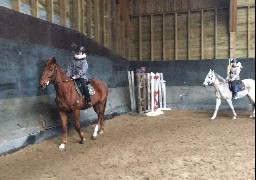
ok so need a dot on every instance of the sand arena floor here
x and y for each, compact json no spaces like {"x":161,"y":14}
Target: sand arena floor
{"x":180,"y":144}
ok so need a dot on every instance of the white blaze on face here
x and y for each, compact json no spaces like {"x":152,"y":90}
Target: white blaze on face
{"x":207,"y":78}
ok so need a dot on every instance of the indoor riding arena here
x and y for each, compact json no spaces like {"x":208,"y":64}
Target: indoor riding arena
{"x":169,"y":112}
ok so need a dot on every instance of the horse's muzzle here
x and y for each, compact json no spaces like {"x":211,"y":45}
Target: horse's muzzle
{"x":205,"y":84}
{"x":43,"y":84}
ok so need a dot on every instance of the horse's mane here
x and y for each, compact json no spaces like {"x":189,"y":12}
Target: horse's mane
{"x":220,"y":78}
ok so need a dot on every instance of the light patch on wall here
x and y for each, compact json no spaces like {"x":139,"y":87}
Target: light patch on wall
{"x":6,"y":3}
{"x":42,"y":14}
{"x":25,"y":8}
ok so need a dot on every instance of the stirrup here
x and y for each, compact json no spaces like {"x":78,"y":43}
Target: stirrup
{"x":235,"y":97}
{"x":88,"y":101}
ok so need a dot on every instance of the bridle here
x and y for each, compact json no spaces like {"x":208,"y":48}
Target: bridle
{"x":51,"y":77}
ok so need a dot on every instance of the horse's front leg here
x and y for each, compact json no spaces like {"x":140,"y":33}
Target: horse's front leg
{"x":63,"y":117}
{"x":232,"y":108}
{"x":218,"y":102}
{"x":99,"y":108}
{"x":77,"y":125}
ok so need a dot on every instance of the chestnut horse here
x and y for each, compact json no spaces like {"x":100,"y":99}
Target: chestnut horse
{"x":69,"y":101}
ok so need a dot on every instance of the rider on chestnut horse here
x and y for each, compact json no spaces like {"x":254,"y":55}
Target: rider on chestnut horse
{"x":77,"y":69}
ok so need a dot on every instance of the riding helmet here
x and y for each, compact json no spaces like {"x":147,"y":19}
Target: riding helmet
{"x":234,"y":60}
{"x":81,"y":48}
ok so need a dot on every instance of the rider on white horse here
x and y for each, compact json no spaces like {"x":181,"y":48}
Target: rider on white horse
{"x":234,"y":76}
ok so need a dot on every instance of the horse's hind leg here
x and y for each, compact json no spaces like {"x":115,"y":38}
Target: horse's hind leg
{"x":252,"y":100}
{"x":77,"y":125}
{"x":232,"y":108}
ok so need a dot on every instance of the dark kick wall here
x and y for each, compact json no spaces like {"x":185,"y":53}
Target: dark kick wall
{"x":193,"y":72}
{"x":28,"y":114}
{"x":184,"y":80}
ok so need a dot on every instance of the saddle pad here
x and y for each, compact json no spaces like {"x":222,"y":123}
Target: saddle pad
{"x":91,"y":90}
{"x":79,"y":90}
{"x":239,"y":84}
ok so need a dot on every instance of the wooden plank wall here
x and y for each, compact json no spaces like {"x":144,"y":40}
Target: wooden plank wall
{"x":154,"y":29}
{"x":190,"y":29}
{"x":96,"y":18}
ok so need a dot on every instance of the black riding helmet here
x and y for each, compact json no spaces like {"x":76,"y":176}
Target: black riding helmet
{"x":81,"y":48}
{"x":234,"y":60}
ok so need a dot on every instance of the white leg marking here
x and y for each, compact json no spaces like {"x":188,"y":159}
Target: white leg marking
{"x":62,"y":147}
{"x":96,"y":130}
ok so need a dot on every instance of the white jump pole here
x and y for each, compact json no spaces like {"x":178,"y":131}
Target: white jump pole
{"x":163,"y":90}
{"x":154,"y":111}
{"x":160,"y":92}
{"x":148,"y":91}
{"x":163,"y":86}
{"x":133,"y":91}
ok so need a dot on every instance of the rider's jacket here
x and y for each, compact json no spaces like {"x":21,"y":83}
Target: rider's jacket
{"x":77,"y":67}
{"x":234,"y":72}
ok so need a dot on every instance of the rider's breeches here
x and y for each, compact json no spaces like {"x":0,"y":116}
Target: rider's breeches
{"x":85,"y":89}
{"x":235,"y":88}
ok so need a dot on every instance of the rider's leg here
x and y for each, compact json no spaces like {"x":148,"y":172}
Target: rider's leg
{"x":85,"y":89}
{"x":235,"y":90}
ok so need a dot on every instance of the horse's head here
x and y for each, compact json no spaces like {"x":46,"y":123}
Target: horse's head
{"x":209,"y":79}
{"x":48,"y":73}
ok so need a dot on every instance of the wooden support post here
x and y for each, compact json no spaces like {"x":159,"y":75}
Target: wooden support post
{"x":118,"y":28}
{"x":63,"y":17}
{"x":50,"y":11}
{"x":88,"y":18}
{"x":34,"y":8}
{"x":232,"y":27}
{"x":75,"y":17}
{"x":188,"y":37}
{"x":16,"y":5}
{"x":163,"y":16}
{"x":176,"y":38}
{"x":248,"y":31}
{"x":96,"y":20}
{"x":215,"y":33}
{"x":151,"y":38}
{"x":202,"y":34}
{"x":140,"y":39}
{"x":103,"y":25}
{"x":81,"y":22}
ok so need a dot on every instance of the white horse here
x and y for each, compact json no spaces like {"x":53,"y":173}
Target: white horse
{"x":223,"y":92}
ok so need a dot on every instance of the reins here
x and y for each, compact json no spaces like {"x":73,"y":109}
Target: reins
{"x":63,"y":81}
{"x":56,"y":82}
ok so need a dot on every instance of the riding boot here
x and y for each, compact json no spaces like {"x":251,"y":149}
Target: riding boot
{"x":85,"y":90}
{"x":235,"y":94}
{"x":88,"y":96}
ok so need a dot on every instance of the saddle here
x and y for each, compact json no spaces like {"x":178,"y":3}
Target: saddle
{"x":236,"y":83}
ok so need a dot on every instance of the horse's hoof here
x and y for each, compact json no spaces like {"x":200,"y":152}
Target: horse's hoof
{"x":252,"y":116}
{"x":101,"y":132}
{"x":94,"y":137}
{"x":62,"y":147}
{"x":234,"y":118}
{"x":82,"y":141}
{"x":212,"y":119}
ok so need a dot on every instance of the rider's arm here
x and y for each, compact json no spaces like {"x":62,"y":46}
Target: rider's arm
{"x":238,"y":70}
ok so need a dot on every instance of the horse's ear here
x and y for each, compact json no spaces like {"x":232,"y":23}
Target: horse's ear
{"x":54,"y":60}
